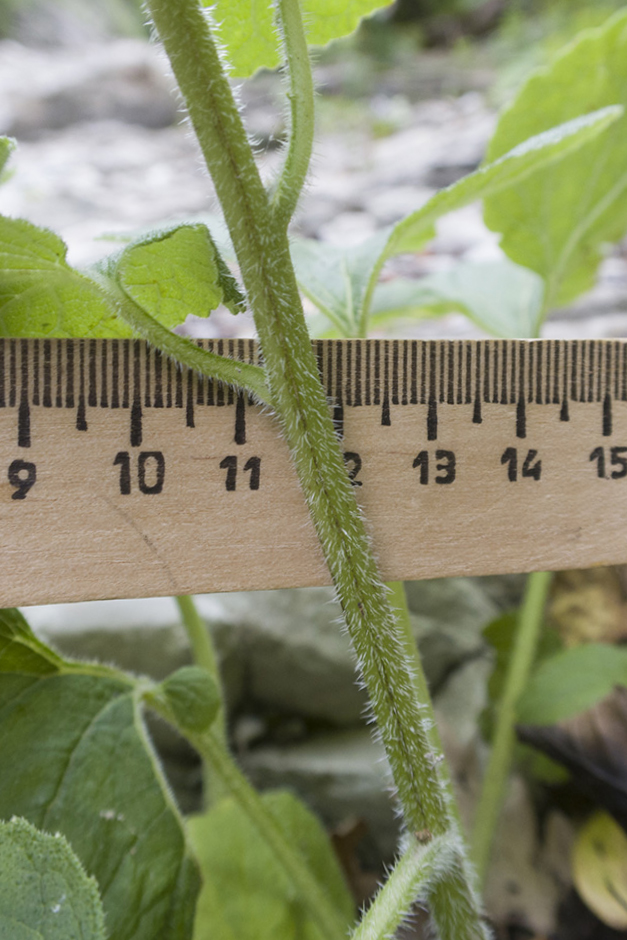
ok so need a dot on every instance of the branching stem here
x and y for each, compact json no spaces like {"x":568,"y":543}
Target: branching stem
{"x":262,"y":250}
{"x":301,"y":97}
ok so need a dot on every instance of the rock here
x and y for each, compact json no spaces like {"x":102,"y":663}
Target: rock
{"x":339,"y":775}
{"x":144,"y":637}
{"x":48,"y":89}
{"x":297,"y":657}
{"x":450,"y":614}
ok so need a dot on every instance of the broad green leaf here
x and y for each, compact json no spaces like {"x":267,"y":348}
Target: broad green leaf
{"x":174,"y":272}
{"x":76,"y":759}
{"x":247,"y":28}
{"x":41,"y":295}
{"x":349,"y":306}
{"x":7,"y":146}
{"x":571,"y":682}
{"x":519,"y":161}
{"x":558,"y":221}
{"x":600,"y":869}
{"x":502,"y":298}
{"x":44,"y":891}
{"x":246,"y":894}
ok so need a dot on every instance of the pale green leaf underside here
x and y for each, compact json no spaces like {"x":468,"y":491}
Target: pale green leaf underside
{"x":502,"y":298}
{"x":558,"y":221}
{"x":571,"y":682}
{"x":341,"y":282}
{"x":246,"y":894}
{"x":44,"y":891}
{"x":81,"y":765}
{"x":246,"y":28}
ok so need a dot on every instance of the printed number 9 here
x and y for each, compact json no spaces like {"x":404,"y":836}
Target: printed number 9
{"x":22,"y":476}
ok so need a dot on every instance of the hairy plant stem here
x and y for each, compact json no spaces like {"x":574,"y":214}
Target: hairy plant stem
{"x":205,"y":657}
{"x":412,"y":877}
{"x":521,"y":661}
{"x":262,"y":250}
{"x":301,"y":97}
{"x":187,"y":353}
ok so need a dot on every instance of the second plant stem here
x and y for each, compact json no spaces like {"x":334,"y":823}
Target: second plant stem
{"x":530,"y":619}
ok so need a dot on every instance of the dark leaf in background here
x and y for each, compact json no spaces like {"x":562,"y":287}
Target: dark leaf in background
{"x":593,"y":747}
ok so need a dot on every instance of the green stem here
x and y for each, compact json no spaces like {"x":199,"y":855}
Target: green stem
{"x":409,"y":882}
{"x":309,"y":891}
{"x":521,"y":662}
{"x":263,"y":254}
{"x":200,"y":641}
{"x":204,"y":656}
{"x":301,"y":97}
{"x":187,"y":353}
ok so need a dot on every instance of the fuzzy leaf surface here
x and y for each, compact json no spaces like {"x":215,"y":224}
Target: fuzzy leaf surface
{"x":41,"y":295}
{"x":78,"y":761}
{"x":247,"y":31}
{"x":558,"y":221}
{"x":502,"y":298}
{"x":44,"y":891}
{"x":174,"y":272}
{"x":246,"y":894}
{"x":571,"y":682}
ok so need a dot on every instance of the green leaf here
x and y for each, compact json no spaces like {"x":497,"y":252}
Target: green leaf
{"x":571,"y":682}
{"x":173,"y":272}
{"x":193,"y":697}
{"x":413,"y":232}
{"x":502,"y":298}
{"x":7,"y":146}
{"x":76,"y":759}
{"x":246,"y":894}
{"x":336,"y":280}
{"x":41,"y":295}
{"x":44,"y":891}
{"x":558,"y":221}
{"x":247,"y":31}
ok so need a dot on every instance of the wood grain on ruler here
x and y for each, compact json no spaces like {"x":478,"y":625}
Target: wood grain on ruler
{"x":121,"y":475}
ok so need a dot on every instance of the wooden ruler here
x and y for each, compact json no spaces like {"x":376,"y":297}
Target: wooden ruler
{"x":121,"y":475}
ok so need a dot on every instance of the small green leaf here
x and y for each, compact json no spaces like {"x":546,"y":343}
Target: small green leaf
{"x":44,"y":891}
{"x":173,"y":272}
{"x":571,"y":682}
{"x":502,"y":298}
{"x":76,"y":759}
{"x":246,"y":894}
{"x":7,"y":146}
{"x":192,"y":696}
{"x":41,"y":295}
{"x":558,"y":221}
{"x":247,"y":30}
